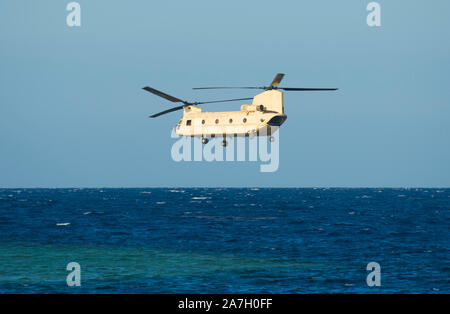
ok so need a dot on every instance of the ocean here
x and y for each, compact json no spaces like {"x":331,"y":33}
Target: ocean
{"x":225,"y":240}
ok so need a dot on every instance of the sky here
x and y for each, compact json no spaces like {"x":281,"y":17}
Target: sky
{"x":73,"y":114}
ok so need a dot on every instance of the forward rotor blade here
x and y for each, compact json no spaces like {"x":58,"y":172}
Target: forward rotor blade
{"x":210,"y":102}
{"x":167,"y":111}
{"x":305,"y":89}
{"x":161,"y":94}
{"x":276,"y":81}
{"x":194,"y":103}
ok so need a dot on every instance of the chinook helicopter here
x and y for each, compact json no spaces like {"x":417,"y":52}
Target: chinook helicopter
{"x":260,"y":118}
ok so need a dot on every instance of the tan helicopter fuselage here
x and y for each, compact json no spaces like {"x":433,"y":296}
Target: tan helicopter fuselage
{"x":259,"y":118}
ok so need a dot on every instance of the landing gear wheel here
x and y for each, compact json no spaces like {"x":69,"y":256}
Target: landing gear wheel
{"x":205,"y":140}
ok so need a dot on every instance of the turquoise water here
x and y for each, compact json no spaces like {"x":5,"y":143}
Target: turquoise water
{"x":224,"y":240}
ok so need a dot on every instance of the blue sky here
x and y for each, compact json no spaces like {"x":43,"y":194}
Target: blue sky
{"x":72,"y":112}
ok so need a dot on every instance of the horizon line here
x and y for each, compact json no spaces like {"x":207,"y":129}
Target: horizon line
{"x":232,"y":187}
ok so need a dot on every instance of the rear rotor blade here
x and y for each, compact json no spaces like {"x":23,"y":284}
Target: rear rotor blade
{"x":161,"y":94}
{"x":276,"y":81}
{"x":274,"y":87}
{"x":167,"y":111}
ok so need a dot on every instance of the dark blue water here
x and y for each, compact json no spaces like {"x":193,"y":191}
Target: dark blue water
{"x":224,"y":240}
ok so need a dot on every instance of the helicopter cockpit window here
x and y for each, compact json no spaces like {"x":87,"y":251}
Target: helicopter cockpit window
{"x":188,"y":122}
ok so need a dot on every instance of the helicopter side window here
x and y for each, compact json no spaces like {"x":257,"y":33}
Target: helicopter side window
{"x":188,"y":122}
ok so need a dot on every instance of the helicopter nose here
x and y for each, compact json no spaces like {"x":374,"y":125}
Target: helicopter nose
{"x":277,"y":120}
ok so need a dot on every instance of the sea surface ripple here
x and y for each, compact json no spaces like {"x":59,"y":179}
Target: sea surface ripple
{"x":206,"y":240}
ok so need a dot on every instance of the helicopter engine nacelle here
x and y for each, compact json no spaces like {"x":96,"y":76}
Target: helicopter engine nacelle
{"x":248,"y":108}
{"x":252,"y":108}
{"x":269,"y":100}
